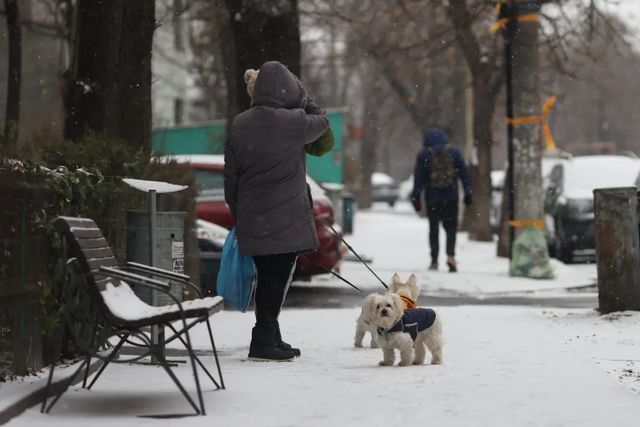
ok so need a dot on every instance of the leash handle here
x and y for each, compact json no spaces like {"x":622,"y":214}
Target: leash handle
{"x":353,"y":251}
{"x":334,"y":273}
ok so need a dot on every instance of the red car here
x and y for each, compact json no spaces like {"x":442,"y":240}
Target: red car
{"x":210,"y":206}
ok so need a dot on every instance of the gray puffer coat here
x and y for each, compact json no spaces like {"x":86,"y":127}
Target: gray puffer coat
{"x":265,"y":171}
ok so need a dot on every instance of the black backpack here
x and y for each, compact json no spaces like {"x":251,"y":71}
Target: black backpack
{"x":443,"y":173}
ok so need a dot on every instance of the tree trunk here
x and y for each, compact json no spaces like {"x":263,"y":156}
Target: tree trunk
{"x":108,"y":88}
{"x":133,"y":106}
{"x":12,"y":117}
{"x":369,"y":144}
{"x":479,"y":226}
{"x":527,"y":143}
{"x":261,"y":32}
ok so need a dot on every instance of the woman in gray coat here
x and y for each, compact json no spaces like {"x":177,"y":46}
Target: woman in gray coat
{"x":265,"y":188}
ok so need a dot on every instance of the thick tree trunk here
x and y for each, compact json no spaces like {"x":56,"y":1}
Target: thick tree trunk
{"x":261,"y":32}
{"x":12,"y":116}
{"x":527,"y":144}
{"x":133,"y":106}
{"x":108,"y":88}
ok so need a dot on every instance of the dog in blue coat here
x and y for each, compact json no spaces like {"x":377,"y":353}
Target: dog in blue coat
{"x":411,"y":331}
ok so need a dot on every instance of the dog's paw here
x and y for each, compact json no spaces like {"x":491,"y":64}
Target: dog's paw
{"x":357,"y":344}
{"x":436,"y":361}
{"x":385,"y":363}
{"x":404,"y":363}
{"x":374,"y":344}
{"x":418,"y":362}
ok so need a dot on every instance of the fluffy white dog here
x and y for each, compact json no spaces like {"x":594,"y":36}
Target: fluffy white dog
{"x":408,"y":292}
{"x":408,"y":331}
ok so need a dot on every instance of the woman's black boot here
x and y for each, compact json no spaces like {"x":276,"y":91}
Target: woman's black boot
{"x":283,"y":345}
{"x":263,"y":346}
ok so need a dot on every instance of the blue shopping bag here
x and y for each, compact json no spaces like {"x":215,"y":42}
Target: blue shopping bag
{"x":237,"y":276}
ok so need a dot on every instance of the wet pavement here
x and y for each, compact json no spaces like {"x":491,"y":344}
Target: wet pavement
{"x":325,"y":297}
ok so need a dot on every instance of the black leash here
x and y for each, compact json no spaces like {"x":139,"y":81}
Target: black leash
{"x":328,"y":270}
{"x":353,"y":251}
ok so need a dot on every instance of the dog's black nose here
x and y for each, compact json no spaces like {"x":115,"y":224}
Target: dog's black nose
{"x":384,"y":311}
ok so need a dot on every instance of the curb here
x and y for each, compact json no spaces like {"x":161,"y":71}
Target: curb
{"x":36,"y":397}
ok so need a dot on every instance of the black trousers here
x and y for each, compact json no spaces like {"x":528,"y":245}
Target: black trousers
{"x":447,"y":214}
{"x":274,"y":274}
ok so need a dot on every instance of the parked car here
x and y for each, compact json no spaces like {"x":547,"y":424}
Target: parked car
{"x":568,"y":204}
{"x":384,"y":188}
{"x":211,"y":206}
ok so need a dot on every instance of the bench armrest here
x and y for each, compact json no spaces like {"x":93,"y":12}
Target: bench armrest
{"x":158,"y":272}
{"x":165,"y":274}
{"x":133,"y":278}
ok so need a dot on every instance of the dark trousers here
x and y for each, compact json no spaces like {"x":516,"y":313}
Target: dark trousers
{"x":447,"y":214}
{"x":274,"y":274}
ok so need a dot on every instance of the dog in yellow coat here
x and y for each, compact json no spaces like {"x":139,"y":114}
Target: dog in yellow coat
{"x":407,"y":291}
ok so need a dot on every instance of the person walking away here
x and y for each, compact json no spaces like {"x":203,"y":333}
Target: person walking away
{"x":265,"y":188}
{"x":438,"y":169}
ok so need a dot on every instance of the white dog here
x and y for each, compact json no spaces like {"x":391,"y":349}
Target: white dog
{"x":408,"y":292}
{"x":406,"y":330}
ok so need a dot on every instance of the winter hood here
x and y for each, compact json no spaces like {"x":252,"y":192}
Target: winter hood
{"x":435,"y":138}
{"x":276,"y":86}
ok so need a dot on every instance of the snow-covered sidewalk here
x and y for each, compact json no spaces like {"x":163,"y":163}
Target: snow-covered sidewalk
{"x":503,"y":366}
{"x":397,"y":241}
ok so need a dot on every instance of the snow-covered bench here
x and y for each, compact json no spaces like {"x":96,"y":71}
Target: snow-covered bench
{"x":124,"y":315}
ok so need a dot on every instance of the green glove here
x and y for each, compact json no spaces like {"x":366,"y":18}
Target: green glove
{"x":322,"y":145}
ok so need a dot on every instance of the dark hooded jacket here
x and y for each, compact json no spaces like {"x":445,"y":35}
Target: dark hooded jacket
{"x":436,"y":140}
{"x":265,"y":172}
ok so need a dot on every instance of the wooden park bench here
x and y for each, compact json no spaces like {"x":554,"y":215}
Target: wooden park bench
{"x":126,"y":319}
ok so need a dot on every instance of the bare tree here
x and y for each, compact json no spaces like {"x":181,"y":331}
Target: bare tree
{"x":108,"y":83}
{"x":12,"y":119}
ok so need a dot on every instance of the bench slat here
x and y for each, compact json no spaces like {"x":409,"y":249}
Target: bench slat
{"x":96,"y":263}
{"x":93,"y":243}
{"x":91,"y":253}
{"x":87,"y":233}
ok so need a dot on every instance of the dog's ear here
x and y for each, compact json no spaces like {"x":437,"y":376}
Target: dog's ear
{"x":368,"y":307}
{"x":395,"y":282}
{"x":412,"y":283}
{"x":398,"y":307}
{"x":249,"y":75}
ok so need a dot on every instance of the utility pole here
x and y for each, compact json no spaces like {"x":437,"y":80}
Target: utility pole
{"x":519,"y":21}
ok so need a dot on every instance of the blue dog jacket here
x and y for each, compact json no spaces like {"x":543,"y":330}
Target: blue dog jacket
{"x":413,"y":321}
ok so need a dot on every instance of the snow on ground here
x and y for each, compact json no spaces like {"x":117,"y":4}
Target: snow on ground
{"x":397,"y":241}
{"x":503,"y":366}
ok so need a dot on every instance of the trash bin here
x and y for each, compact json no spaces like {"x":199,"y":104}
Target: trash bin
{"x":169,"y":249}
{"x":348,"y":212}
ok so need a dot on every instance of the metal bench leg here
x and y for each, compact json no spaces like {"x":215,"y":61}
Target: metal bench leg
{"x":93,"y":340}
{"x":111,"y":356}
{"x":47,"y":388}
{"x":215,"y":354}
{"x":195,"y":356}
{"x":66,"y":386}
{"x":177,"y":382}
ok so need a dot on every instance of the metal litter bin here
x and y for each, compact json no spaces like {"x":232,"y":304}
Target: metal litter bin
{"x":348,"y":212}
{"x":169,"y":253}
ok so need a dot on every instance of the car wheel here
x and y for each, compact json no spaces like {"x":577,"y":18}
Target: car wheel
{"x":562,"y":250}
